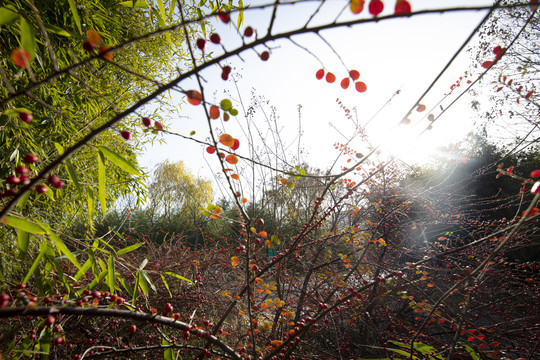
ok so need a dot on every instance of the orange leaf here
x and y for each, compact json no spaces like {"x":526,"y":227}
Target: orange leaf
{"x":357,"y":6}
{"x":345,"y":83}
{"x":231,"y":159}
{"x":235,"y":176}
{"x":194,"y":97}
{"x":93,"y":37}
{"x":19,"y":56}
{"x":214,"y":112}
{"x":421,"y":108}
{"x":330,"y":78}
{"x":104,"y":53}
{"x":244,"y":200}
{"x":226,"y":140}
{"x":263,"y":234}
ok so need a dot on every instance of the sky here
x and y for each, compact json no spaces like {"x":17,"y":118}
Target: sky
{"x":394,"y":55}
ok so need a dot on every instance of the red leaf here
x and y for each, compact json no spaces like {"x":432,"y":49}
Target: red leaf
{"x":402,"y":7}
{"x":214,"y":112}
{"x":236,"y":144}
{"x":345,"y":83}
{"x":487,"y":64}
{"x":361,"y":86}
{"x":319,"y":74}
{"x":375,"y":7}
{"x":497,"y":50}
{"x":529,"y":94}
{"x":210,"y":149}
{"x":421,"y":108}
{"x":354,"y":74}
{"x":330,"y":78}
{"x":535,"y":173}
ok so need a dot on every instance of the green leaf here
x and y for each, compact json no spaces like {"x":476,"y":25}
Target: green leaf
{"x":90,"y":199}
{"x":23,"y":224}
{"x":171,"y":8}
{"x":225,"y":104}
{"x":23,"y":239}
{"x":124,"y":284}
{"x":470,"y":350}
{"x":102,"y":193}
{"x":75,"y":14}
{"x":119,"y":161}
{"x":142,"y":283}
{"x":110,"y":274}
{"x":178,"y":276}
{"x":28,"y":42}
{"x":49,"y":193}
{"x":7,"y":16}
{"x":84,"y":269}
{"x":161,"y":8}
{"x":129,"y":248}
{"x":166,"y":284}
{"x":59,"y":148}
{"x":135,"y":289}
{"x":64,"y":249}
{"x":143,"y":264}
{"x":45,"y":338}
{"x":97,"y":280}
{"x":22,"y":201}
{"x":57,"y":30}
{"x":162,"y":24}
{"x":73,"y":176}
{"x":35,"y":264}
{"x":138,"y":4}
{"x":167,"y":353}
{"x":148,"y":280}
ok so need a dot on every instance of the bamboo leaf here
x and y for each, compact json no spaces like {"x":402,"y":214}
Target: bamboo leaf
{"x":166,"y":284}
{"x":138,"y":4}
{"x":102,"y":193}
{"x":90,"y":200}
{"x":23,"y":224}
{"x":22,"y":201}
{"x":167,"y":353}
{"x":178,"y":276}
{"x":110,"y":274}
{"x":84,"y":269}
{"x":149,"y":281}
{"x":75,"y":14}
{"x":57,"y":30}
{"x":63,"y":248}
{"x":142,"y":283}
{"x":119,"y":161}
{"x":7,"y":16}
{"x":28,"y":41}
{"x":23,"y":239}
{"x":124,"y":284}
{"x":73,"y":176}
{"x":129,"y":248}
{"x":36,"y":262}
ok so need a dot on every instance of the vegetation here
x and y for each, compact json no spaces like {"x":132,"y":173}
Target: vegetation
{"x":367,"y":259}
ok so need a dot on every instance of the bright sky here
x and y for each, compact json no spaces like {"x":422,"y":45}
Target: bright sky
{"x":399,"y":54}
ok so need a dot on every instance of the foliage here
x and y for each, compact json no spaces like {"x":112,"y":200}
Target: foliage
{"x":360,"y":260}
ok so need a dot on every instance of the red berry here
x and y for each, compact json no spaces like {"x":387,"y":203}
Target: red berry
{"x":257,"y":241}
{"x":21,"y":169}
{"x":319,"y":74}
{"x":4,"y":300}
{"x":26,"y":117}
{"x":58,"y":340}
{"x":168,"y":308}
{"x":227,"y":69}
{"x":49,"y":320}
{"x":120,"y":301}
{"x":59,"y":184}
{"x":132,"y":329}
{"x":30,"y":159}
{"x":345,"y":83}
{"x":265,"y":56}
{"x":53,"y":179}
{"x":147,"y":122}
{"x":41,"y":189}
{"x":260,"y":222}
{"x":248,"y":32}
{"x":223,"y":16}
{"x":126,"y":134}
{"x":201,"y":44}
{"x":13,"y":180}
{"x":215,"y":38}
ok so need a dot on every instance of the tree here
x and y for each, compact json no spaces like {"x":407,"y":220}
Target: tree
{"x":358,"y":277}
